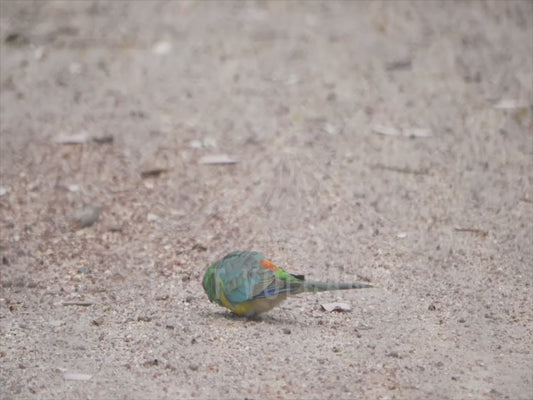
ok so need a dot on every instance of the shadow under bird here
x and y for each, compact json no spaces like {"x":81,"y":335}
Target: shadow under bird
{"x":248,"y":284}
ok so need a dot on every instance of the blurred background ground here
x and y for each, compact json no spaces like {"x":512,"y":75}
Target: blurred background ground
{"x":345,"y":140}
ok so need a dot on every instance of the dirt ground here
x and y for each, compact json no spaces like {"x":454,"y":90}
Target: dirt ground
{"x":389,"y":141}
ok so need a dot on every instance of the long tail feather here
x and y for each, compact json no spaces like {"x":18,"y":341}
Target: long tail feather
{"x":310,"y":286}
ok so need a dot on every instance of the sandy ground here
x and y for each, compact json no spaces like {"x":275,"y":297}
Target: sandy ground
{"x":389,"y":141}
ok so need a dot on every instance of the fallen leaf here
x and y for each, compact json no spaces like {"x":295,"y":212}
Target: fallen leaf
{"x":342,"y":307}
{"x":406,"y":132}
{"x":385,"y":130}
{"x":73,"y":138}
{"x":507,"y":104}
{"x":78,"y":303}
{"x":479,"y":232}
{"x":203,"y":143}
{"x":416,"y":132}
{"x":199,"y":247}
{"x":153,"y":172}
{"x":217,"y":159}
{"x":103,"y":139}
{"x":402,"y":64}
{"x":76,"y":376}
{"x":73,"y":188}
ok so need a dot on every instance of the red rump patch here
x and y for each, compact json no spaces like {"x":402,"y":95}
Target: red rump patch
{"x":268,"y":264}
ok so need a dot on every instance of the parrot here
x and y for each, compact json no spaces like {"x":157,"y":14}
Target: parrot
{"x":248,"y":284}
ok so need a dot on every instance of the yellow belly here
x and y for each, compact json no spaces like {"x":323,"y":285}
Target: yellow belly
{"x":254,"y":307}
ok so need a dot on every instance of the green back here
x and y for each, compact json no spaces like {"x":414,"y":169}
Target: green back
{"x":241,"y":277}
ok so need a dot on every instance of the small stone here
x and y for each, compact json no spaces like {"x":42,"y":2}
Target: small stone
{"x":193,"y":367}
{"x":98,"y":321}
{"x":86,"y":217}
{"x":84,"y":270}
{"x":393,"y":354}
{"x":161,"y":48}
{"x":39,"y":53}
{"x":332,"y":129}
{"x":75,"y":68}
{"x":461,"y":320}
{"x":286,"y":331}
{"x":152,"y":217}
{"x":16,"y":39}
{"x":151,"y":363}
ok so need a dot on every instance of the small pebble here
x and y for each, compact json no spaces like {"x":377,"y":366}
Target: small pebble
{"x":84,"y":270}
{"x":86,"y":217}
{"x":151,"y":217}
{"x":151,"y":363}
{"x":193,"y":367}
{"x":161,"y":48}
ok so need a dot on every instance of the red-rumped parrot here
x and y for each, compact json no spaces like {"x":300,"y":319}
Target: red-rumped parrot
{"x":249,"y":284}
